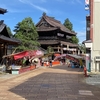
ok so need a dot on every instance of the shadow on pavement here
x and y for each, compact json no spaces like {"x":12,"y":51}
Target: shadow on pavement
{"x":54,"y":86}
{"x":65,"y":67}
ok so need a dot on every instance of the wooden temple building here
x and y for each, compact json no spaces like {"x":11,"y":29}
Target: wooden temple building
{"x":53,"y":33}
{"x":5,"y":39}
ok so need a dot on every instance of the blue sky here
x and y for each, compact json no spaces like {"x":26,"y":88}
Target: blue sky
{"x":60,"y":9}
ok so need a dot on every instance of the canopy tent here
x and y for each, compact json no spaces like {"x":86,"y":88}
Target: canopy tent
{"x":31,"y":53}
{"x":21,"y":55}
{"x":75,"y":58}
{"x":60,"y":56}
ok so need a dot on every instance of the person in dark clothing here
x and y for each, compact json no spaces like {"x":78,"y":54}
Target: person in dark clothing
{"x":50,"y":63}
{"x":42,"y":63}
{"x":27,"y":62}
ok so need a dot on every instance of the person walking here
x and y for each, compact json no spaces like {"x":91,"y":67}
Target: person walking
{"x":50,"y":63}
{"x":42,"y":63}
{"x":85,"y":71}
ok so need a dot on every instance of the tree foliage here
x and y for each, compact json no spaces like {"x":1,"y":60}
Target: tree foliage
{"x":26,"y":32}
{"x":9,"y":31}
{"x":82,"y":47}
{"x":68,"y":24}
{"x":50,"y":49}
{"x":74,"y":39}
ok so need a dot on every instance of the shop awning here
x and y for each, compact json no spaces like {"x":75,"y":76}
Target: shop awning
{"x":69,"y":56}
{"x":60,"y":57}
{"x":31,"y":53}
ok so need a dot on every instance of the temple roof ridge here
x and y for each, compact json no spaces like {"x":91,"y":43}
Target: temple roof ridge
{"x":53,"y":19}
{"x":54,"y":23}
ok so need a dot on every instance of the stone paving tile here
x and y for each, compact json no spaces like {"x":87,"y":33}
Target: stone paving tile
{"x":56,"y":83}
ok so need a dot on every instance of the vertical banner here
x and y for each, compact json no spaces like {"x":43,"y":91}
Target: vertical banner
{"x":86,"y":4}
{"x":88,"y":62}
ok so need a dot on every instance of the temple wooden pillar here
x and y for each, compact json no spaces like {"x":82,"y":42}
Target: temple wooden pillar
{"x":78,"y":52}
{"x":67,"y":48}
{"x":61,"y":48}
{"x":58,"y":48}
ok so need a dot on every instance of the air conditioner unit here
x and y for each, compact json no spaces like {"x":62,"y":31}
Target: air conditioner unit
{"x":97,"y":58}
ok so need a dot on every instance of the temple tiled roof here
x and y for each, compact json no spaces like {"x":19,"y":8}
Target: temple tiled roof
{"x":50,"y":42}
{"x":2,"y":11}
{"x":3,"y":30}
{"x":2,"y":26}
{"x":87,"y":41}
{"x":68,"y":43}
{"x":55,"y":25}
{"x":4,"y":39}
{"x":46,"y":29}
{"x":4,"y":36}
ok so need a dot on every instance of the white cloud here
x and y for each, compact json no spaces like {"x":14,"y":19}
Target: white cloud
{"x":13,"y":10}
{"x":39,"y":8}
{"x":35,"y":6}
{"x":81,"y":36}
{"x":81,"y":33}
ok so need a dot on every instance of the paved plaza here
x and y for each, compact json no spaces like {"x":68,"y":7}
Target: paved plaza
{"x":56,"y":83}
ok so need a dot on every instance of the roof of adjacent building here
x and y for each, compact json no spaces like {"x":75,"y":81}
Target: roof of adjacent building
{"x":87,"y":41}
{"x":3,"y":29}
{"x":5,"y":37}
{"x":2,"y":11}
{"x":8,"y":40}
{"x":54,"y":23}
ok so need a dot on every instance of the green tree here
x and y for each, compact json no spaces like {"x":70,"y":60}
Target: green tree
{"x":82,"y":47}
{"x":9,"y":31}
{"x":74,"y":39}
{"x":50,"y":49}
{"x":27,"y":33}
{"x":68,"y":24}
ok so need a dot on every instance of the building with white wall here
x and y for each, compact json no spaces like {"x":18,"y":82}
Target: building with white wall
{"x":92,"y":42}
